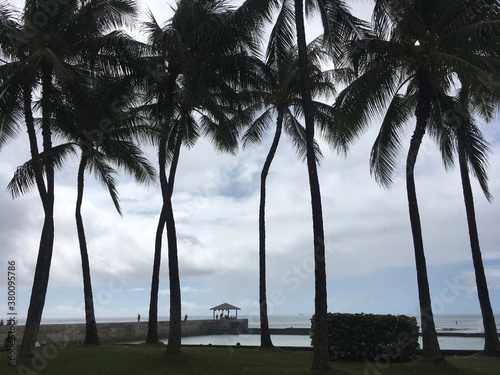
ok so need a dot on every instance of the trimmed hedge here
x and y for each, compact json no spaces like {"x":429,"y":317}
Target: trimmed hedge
{"x":370,"y":337}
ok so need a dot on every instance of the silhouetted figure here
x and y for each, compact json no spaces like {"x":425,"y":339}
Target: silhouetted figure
{"x":138,"y":317}
{"x":186,"y":317}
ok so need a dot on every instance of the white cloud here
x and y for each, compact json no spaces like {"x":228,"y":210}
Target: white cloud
{"x":467,"y":280}
{"x":133,"y":290}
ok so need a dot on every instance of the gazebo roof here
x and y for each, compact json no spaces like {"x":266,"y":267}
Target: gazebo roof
{"x":225,"y":306}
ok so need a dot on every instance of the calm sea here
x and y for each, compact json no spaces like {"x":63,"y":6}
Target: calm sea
{"x":444,"y":323}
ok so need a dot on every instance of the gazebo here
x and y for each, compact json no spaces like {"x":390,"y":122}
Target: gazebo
{"x":225,"y":306}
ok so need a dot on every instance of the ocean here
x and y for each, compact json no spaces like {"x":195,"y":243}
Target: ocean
{"x":444,"y":323}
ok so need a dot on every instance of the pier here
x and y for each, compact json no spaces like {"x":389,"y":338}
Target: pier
{"x":71,"y":334}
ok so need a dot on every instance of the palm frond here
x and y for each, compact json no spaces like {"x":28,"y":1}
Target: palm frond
{"x":297,"y":133}
{"x":221,"y":133}
{"x":339,"y":26}
{"x":255,"y":132}
{"x":23,"y":180}
{"x":365,"y":99}
{"x":106,"y":175}
{"x":24,"y":177}
{"x":476,"y":150}
{"x":387,"y":146}
{"x":282,"y":37}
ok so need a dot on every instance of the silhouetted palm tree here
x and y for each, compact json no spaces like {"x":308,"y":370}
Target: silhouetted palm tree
{"x":49,"y":53}
{"x":280,"y":97}
{"x":456,"y":131}
{"x":105,"y":135}
{"x":339,"y":26}
{"x":410,"y":63}
{"x":197,"y":66}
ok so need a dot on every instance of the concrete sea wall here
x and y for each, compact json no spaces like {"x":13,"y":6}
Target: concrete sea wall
{"x":70,"y":334}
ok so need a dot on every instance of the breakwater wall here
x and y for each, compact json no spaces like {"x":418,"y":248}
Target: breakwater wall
{"x":70,"y":334}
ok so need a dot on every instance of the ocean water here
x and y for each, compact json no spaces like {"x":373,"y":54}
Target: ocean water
{"x":444,"y":323}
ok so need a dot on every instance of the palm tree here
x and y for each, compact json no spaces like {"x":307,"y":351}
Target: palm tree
{"x":196,"y":67}
{"x":339,"y":25}
{"x":162,"y":109}
{"x":459,"y":132}
{"x":49,"y":52}
{"x":81,"y":119}
{"x":410,"y":63}
{"x":17,"y":84}
{"x":281,"y":96}
{"x":113,"y":144}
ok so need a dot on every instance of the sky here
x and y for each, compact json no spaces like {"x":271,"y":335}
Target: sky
{"x":370,"y":261}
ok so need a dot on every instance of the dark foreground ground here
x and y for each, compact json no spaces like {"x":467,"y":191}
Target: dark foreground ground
{"x":151,"y":360}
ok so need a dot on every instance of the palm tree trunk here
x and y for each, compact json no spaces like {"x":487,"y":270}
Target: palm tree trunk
{"x":35,"y":155}
{"x":320,"y":338}
{"x":174,"y":328}
{"x":42,"y":269}
{"x":152,"y":335}
{"x":429,"y":337}
{"x":265,"y":336}
{"x":491,"y":341}
{"x":39,"y":289}
{"x":91,"y":335}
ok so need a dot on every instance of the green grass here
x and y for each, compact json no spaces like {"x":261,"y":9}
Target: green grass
{"x":151,"y":360}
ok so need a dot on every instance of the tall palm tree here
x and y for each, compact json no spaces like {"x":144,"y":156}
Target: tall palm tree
{"x":409,"y":65}
{"x":112,"y":144}
{"x":459,"y":132}
{"x":159,"y":98}
{"x":49,"y":53}
{"x":196,"y":68}
{"x":339,"y":25}
{"x":280,"y":97}
{"x":82,"y":120}
{"x":17,"y":84}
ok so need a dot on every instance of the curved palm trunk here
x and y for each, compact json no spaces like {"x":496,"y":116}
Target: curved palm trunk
{"x":91,"y":335}
{"x":491,"y":341}
{"x":152,"y":335}
{"x":320,"y":338}
{"x":167,"y":219}
{"x":42,"y":270}
{"x":429,"y":337}
{"x":174,"y":328}
{"x":265,"y":336}
{"x":165,"y":215}
{"x":39,"y":289}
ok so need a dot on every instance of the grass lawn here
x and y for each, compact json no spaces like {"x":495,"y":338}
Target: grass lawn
{"x":151,"y":360}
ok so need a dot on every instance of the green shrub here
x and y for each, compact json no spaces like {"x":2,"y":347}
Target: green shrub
{"x":369,"y":337}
